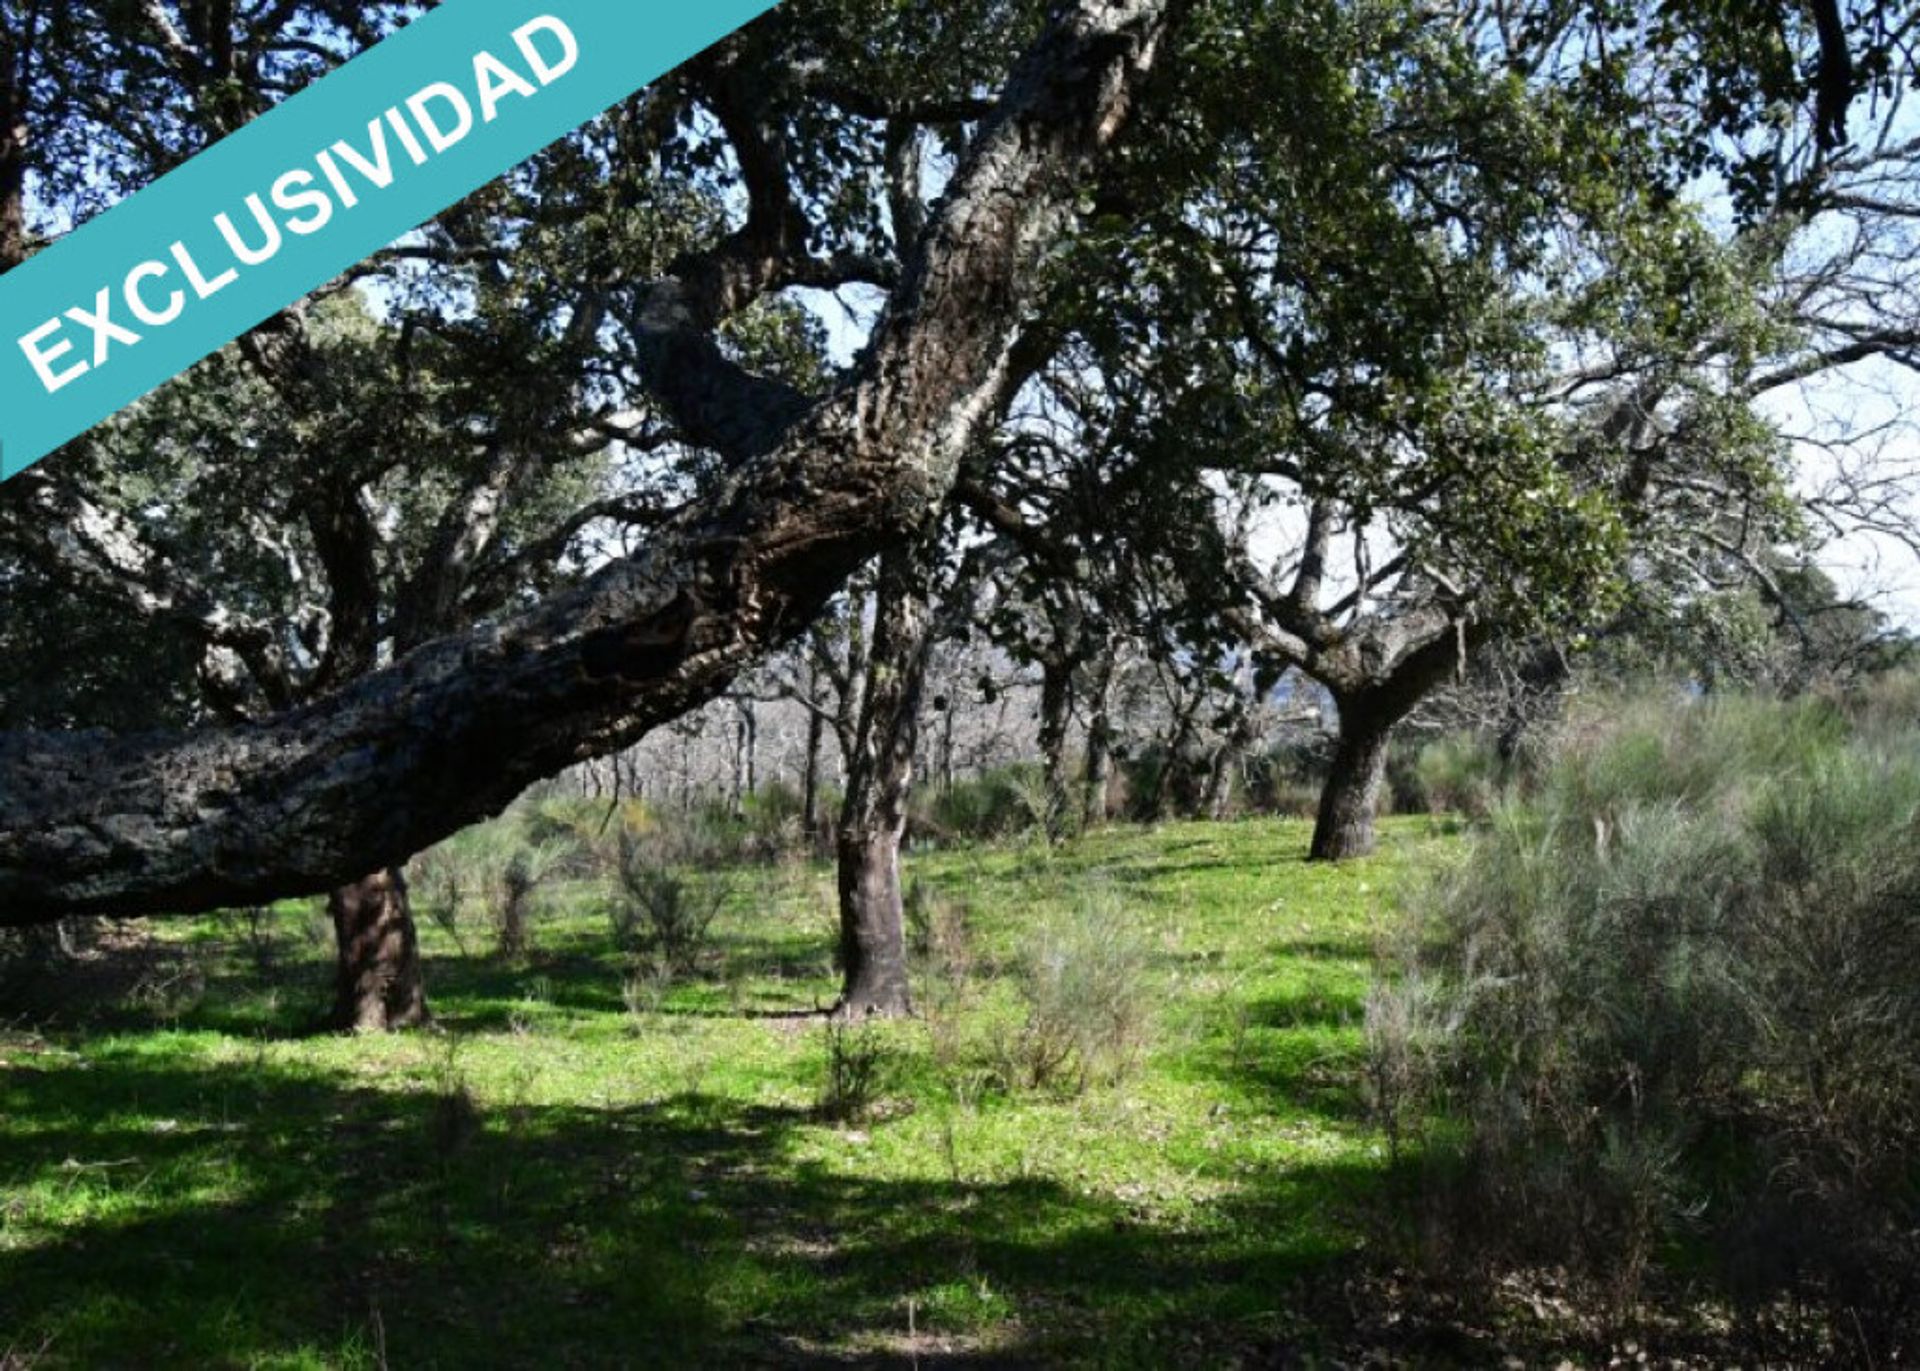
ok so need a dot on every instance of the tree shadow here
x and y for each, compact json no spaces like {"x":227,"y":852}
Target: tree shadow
{"x":167,"y":1212}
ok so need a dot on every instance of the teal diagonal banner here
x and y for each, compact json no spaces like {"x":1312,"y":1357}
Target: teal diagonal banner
{"x":322,"y":182}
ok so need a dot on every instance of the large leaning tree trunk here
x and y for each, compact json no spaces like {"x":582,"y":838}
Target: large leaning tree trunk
{"x":873,"y":819}
{"x":450,"y":733}
{"x":378,"y":983}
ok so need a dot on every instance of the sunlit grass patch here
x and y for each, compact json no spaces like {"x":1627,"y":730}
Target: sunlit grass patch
{"x":565,"y":1174}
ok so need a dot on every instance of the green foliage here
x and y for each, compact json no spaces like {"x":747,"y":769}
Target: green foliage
{"x":1675,"y":1000}
{"x":857,"y":1059}
{"x":1086,"y":997}
{"x":500,"y":871}
{"x":1000,"y":802}
{"x":669,"y":885}
{"x":1458,"y":773}
{"x":664,"y":1180}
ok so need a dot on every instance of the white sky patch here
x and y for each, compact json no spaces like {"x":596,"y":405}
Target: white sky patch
{"x":1857,"y":432}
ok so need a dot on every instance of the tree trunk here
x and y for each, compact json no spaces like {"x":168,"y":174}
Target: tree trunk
{"x":946,"y":745}
{"x":1219,"y":795}
{"x":743,"y":743}
{"x":13,"y":183}
{"x":1228,"y":756}
{"x":379,"y":985}
{"x":1159,"y":801}
{"x":1099,"y":762}
{"x":1099,"y":772}
{"x":1056,"y":703}
{"x":873,"y":944}
{"x":873,"y":939}
{"x":176,"y":823}
{"x":810,"y":777}
{"x":1351,"y":796}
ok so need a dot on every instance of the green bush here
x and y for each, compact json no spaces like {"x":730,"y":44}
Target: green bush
{"x":669,"y":887}
{"x":1003,"y":802}
{"x":1287,"y":779}
{"x":499,"y":869}
{"x":1085,"y":981}
{"x":1672,"y":1007}
{"x":858,"y":1059}
{"x":1457,"y":774}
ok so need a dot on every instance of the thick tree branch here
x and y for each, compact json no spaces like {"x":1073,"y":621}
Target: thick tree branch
{"x":401,"y":758}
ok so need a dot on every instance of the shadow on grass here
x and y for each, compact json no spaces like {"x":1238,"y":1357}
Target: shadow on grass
{"x":162,"y":1213}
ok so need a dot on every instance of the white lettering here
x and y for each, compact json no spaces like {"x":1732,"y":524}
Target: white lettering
{"x":379,"y":168}
{"x":548,"y":72}
{"x":496,"y":79}
{"x":202,"y":287}
{"x":145,"y":313}
{"x":105,"y":332}
{"x":44,"y":358}
{"x":314,"y":200}
{"x":420,"y":103}
{"x":251,"y":257}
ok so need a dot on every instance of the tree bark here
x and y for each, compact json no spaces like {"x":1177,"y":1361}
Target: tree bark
{"x":13,"y":219}
{"x":810,"y":777}
{"x":1173,"y":762}
{"x":15,"y":98}
{"x":1099,"y":764}
{"x":873,"y":940}
{"x":1351,"y":797}
{"x":449,"y":734}
{"x":1056,"y":703}
{"x":378,"y":984}
{"x":1228,"y":756}
{"x":873,"y":946}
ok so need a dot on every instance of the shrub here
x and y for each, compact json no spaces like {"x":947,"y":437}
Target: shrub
{"x":1004,"y":802}
{"x":496,"y":867}
{"x":1086,"y":989}
{"x":583,"y":829}
{"x":1677,"y":1001}
{"x":937,"y":934}
{"x":644,"y":991}
{"x":1457,"y":774}
{"x":774,"y":823}
{"x":440,"y":886}
{"x":857,"y":1060}
{"x":670,"y":886}
{"x":519,"y":882}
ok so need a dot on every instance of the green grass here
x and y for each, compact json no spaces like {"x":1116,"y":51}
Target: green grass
{"x":199,"y":1182}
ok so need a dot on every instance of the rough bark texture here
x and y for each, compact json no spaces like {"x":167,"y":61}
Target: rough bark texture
{"x":16,"y":62}
{"x":449,"y":734}
{"x":810,"y":779}
{"x":1056,"y":704}
{"x":1099,"y":762}
{"x":873,"y":946}
{"x":379,"y":986}
{"x":13,"y":222}
{"x":1351,"y":796}
{"x":1385,"y":696}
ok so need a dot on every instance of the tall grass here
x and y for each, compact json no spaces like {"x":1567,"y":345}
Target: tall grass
{"x":1667,"y":1014}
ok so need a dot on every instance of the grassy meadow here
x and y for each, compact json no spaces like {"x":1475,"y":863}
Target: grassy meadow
{"x":582,"y":1168}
